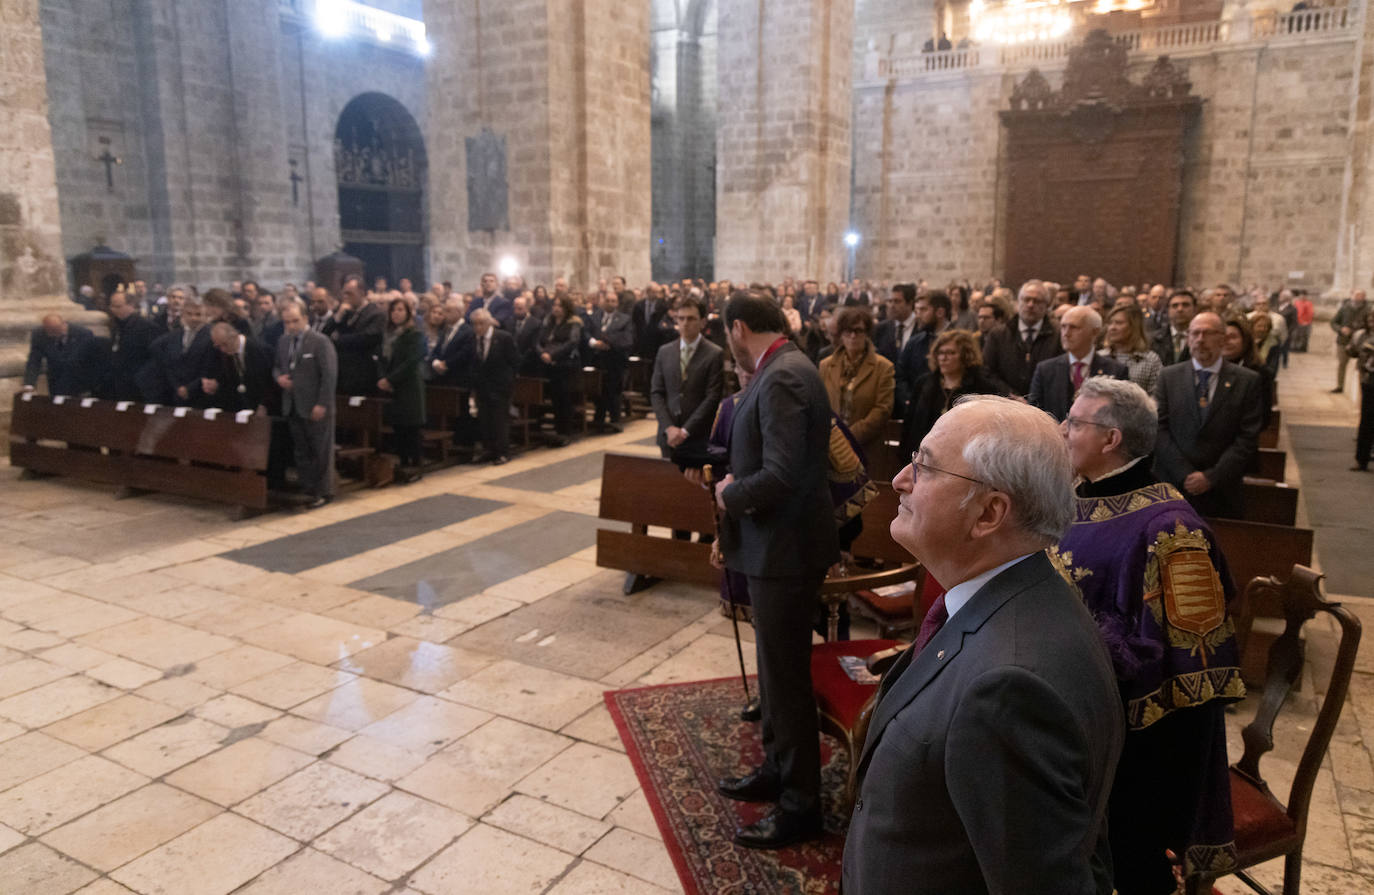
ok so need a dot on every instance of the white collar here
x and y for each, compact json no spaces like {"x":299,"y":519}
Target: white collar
{"x":1213,"y":369}
{"x":1106,"y":475}
{"x":683,"y":346}
{"x":958,"y":595}
{"x":1086,"y":361}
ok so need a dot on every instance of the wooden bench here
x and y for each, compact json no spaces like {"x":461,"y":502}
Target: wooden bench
{"x":639,"y":375}
{"x":1268,"y":501}
{"x":358,"y":439}
{"x":143,"y":447}
{"x":1268,"y":463}
{"x":528,"y":400}
{"x":586,"y":392}
{"x":444,"y":405}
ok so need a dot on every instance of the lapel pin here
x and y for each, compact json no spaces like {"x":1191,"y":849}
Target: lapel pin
{"x":940,"y":654}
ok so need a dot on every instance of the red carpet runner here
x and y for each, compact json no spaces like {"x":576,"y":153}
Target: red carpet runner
{"x":681,"y":738}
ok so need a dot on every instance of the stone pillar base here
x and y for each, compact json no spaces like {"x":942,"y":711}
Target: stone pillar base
{"x":17,"y":320}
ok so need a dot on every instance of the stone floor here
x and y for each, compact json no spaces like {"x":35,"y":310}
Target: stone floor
{"x":399,"y":693}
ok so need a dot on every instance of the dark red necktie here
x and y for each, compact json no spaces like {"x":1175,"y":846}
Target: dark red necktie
{"x":1077,"y":375}
{"x":930,"y":626}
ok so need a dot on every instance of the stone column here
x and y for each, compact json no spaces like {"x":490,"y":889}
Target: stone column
{"x":33,"y":279}
{"x":1354,"y":267}
{"x":783,"y":138}
{"x":566,"y":84}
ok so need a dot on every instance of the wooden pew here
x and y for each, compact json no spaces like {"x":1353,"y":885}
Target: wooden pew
{"x":586,"y":392}
{"x":528,"y":401}
{"x":1271,"y":502}
{"x":172,"y":451}
{"x":1268,"y":463}
{"x":358,"y":439}
{"x":639,"y":374}
{"x":445,"y":406}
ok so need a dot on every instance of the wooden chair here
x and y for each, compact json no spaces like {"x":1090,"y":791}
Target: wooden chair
{"x":528,"y":401}
{"x":1266,"y":828}
{"x":845,"y":706}
{"x":357,"y":436}
{"x":880,"y":562}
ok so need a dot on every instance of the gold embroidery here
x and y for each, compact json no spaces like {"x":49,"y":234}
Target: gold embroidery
{"x":1182,"y":691}
{"x":1100,"y":509}
{"x":1063,"y":564}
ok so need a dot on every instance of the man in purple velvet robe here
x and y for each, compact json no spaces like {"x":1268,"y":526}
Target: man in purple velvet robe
{"x":1151,"y":573}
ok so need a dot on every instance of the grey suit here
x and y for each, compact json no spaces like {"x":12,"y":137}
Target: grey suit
{"x":689,"y":403}
{"x":1051,"y":387}
{"x":990,"y":757}
{"x":779,"y":530}
{"x":1219,"y":443}
{"x":314,"y":370}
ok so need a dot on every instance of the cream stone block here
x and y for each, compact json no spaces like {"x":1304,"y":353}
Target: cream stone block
{"x":595,"y":726}
{"x":29,"y":640}
{"x":111,"y":722}
{"x":233,"y":667}
{"x":236,"y":772}
{"x":118,"y":588}
{"x":309,"y":737}
{"x":314,"y":638}
{"x":376,"y":759}
{"x":533,"y":695}
{"x":233,"y":711}
{"x":32,"y":754}
{"x":26,"y":673}
{"x":126,"y":828}
{"x":637,"y":855}
{"x":426,"y":725}
{"x":417,"y":664}
{"x":478,"y":608}
{"x":186,"y":551}
{"x":74,"y":656}
{"x":181,"y":692}
{"x":168,"y":746}
{"x":45,"y":567}
{"x":593,"y":879}
{"x":356,"y":704}
{"x":67,"y":615}
{"x":430,"y":628}
{"x":292,"y":684}
{"x":585,"y":778}
{"x":312,"y":800}
{"x":36,"y":869}
{"x":124,"y":673}
{"x":477,"y":772}
{"x":105,"y":887}
{"x":543,"y":822}
{"x":215,"y":571}
{"x":10,"y":838}
{"x":394,"y":835}
{"x":212,"y":859}
{"x":486,"y":859}
{"x":311,"y":871}
{"x":175,"y":602}
{"x":635,"y":814}
{"x":50,"y":800}
{"x":231,"y":616}
{"x":52,"y":702}
{"x":375,"y":611}
{"x":157,"y":642}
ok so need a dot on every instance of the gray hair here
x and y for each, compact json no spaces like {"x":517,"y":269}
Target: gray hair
{"x":1022,"y":454}
{"x":1127,"y":408}
{"x":480,"y":315}
{"x":1039,"y":284}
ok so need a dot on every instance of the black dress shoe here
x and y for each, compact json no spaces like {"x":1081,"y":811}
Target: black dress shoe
{"x":500,"y":460}
{"x":751,"y":712}
{"x":779,"y":829}
{"x":755,"y":787}
{"x":319,"y":502}
{"x":1359,"y":467}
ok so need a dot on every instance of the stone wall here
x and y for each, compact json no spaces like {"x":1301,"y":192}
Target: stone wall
{"x":1263,"y":182}
{"x":783,"y":138}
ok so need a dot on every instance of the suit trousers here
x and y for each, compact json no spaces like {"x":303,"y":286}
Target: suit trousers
{"x":791,"y":734}
{"x":493,"y":420}
{"x":313,"y":443}
{"x":612,"y":387}
{"x":1342,"y":365}
{"x":1364,"y":439}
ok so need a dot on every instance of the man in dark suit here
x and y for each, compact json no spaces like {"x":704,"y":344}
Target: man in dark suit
{"x":992,"y":748}
{"x":1056,"y":381}
{"x":1210,"y":415}
{"x":356,"y":331}
{"x":172,"y":374}
{"x":495,"y":367}
{"x":525,"y":327}
{"x":688,"y":381}
{"x":168,"y":313}
{"x":68,"y":351}
{"x":610,"y":344}
{"x":1170,"y":341}
{"x":306,"y":370}
{"x":810,"y":302}
{"x":779,"y":530}
{"x":647,"y":317}
{"x":131,"y":342}
{"x":1013,"y":353}
{"x":450,"y":360}
{"x":239,"y":373}
{"x":891,"y":335}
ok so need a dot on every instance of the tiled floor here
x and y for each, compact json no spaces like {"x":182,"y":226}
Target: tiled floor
{"x":400,"y":693}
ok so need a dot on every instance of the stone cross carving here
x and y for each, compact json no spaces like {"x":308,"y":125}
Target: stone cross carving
{"x":295,"y":183}
{"x":109,"y":160}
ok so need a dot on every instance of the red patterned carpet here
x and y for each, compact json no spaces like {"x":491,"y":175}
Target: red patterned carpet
{"x":681,"y":738}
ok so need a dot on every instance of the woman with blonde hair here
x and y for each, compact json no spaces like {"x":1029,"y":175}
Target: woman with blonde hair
{"x":956,"y":366}
{"x":1126,"y":344}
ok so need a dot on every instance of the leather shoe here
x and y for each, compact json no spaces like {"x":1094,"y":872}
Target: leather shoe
{"x":751,"y":712}
{"x":753,"y":787}
{"x":1359,"y":467}
{"x":779,"y":829}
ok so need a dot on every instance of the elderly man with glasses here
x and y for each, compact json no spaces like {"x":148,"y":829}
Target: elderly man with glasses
{"x":1151,"y":574}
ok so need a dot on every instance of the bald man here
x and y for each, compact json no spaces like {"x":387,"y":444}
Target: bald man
{"x":1055,"y":382}
{"x":67,"y":351}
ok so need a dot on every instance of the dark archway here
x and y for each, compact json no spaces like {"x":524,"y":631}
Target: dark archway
{"x":379,"y":159}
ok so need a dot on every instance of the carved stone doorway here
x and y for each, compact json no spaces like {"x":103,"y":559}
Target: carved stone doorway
{"x":379,"y":159}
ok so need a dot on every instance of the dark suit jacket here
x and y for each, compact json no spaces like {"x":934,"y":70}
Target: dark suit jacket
{"x":1163,"y":345}
{"x":648,"y":337}
{"x":131,"y":344}
{"x":810,"y":307}
{"x":990,"y":757}
{"x":357,"y":338}
{"x":1011,"y":360}
{"x":912,"y":365}
{"x":885,"y":337}
{"x":1220,"y":445}
{"x":780,"y":520}
{"x":495,"y":376}
{"x":1051,"y":387}
{"x":688,"y":403}
{"x":617,"y":330}
{"x":172,"y":366}
{"x":526,"y":334}
{"x":458,"y":355}
{"x":71,"y":364}
{"x":258,"y":387}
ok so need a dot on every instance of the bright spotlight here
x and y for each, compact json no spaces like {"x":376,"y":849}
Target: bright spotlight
{"x":851,"y":239}
{"x":330,"y":18}
{"x":508,"y":266}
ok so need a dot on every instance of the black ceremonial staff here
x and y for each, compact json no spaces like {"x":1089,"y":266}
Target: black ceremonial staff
{"x":708,"y":479}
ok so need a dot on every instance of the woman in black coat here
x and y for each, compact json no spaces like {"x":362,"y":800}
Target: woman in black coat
{"x":403,"y":353}
{"x":560,"y":359}
{"x":956,"y":367}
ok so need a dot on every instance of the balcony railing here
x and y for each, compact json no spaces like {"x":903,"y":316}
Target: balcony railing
{"x":343,"y":19}
{"x":1264,"y":27}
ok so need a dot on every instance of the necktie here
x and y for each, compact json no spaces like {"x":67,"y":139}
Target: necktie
{"x":486,"y":343}
{"x":1178,"y":345}
{"x":930,"y":626}
{"x":1077,"y":375}
{"x":295,"y":349}
{"x":1204,"y":377}
{"x":901,"y":335}
{"x":686,"y":359}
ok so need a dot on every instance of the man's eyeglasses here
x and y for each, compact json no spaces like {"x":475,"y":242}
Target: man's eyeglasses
{"x":1077,"y":422}
{"x":917,"y":467}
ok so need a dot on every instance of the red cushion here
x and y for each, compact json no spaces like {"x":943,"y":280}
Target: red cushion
{"x":837,"y":694}
{"x":1258,"y":816}
{"x":896,"y":607}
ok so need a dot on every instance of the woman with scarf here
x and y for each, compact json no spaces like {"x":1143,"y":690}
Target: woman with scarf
{"x":560,"y":344}
{"x":859,"y":380}
{"x":403,"y":353}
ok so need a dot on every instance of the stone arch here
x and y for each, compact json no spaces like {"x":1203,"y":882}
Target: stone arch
{"x":381,"y":167}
